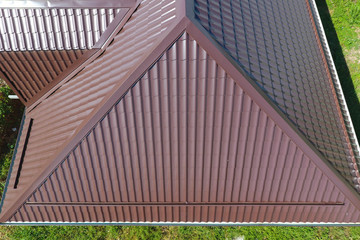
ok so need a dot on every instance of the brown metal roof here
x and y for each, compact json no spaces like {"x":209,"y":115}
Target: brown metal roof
{"x":30,"y":72}
{"x":20,"y":4}
{"x":287,"y":61}
{"x":186,"y":143}
{"x":167,"y":126}
{"x":61,"y":116}
{"x":53,"y":29}
{"x":38,"y":46}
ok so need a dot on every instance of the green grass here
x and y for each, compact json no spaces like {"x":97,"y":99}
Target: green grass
{"x":132,"y":232}
{"x":341,"y":19}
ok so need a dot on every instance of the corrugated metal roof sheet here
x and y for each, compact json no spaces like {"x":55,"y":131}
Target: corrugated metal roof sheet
{"x":52,"y":29}
{"x":38,"y":45}
{"x":59,"y":117}
{"x":186,"y":143}
{"x":283,"y":57}
{"x":336,"y":82}
{"x":30,"y":72}
{"x":20,"y":4}
{"x":191,"y":139}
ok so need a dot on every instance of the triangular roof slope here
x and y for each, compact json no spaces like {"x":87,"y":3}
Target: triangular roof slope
{"x":41,"y":45}
{"x":187,"y":144}
{"x":63,"y":112}
{"x":224,"y":143}
{"x":279,"y":45}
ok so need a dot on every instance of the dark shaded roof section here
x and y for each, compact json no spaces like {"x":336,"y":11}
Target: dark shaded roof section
{"x":186,"y":144}
{"x":337,"y":86}
{"x":41,"y":46}
{"x":276,"y":44}
{"x":28,"y":72}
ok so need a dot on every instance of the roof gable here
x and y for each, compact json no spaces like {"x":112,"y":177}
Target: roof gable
{"x":186,"y":143}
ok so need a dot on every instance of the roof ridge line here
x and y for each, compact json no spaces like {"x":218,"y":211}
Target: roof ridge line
{"x":102,"y":109}
{"x":197,"y":32}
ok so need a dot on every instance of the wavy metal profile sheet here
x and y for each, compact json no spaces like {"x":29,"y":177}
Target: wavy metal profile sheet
{"x":283,"y":58}
{"x":31,"y":71}
{"x":37,"y":45}
{"x":57,"y":118}
{"x":187,"y":134}
{"x":52,"y":29}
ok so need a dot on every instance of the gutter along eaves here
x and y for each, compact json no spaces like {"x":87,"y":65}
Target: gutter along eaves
{"x":335,"y":95}
{"x":250,"y":87}
{"x":336,"y":82}
{"x":172,"y":34}
{"x":280,"y":224}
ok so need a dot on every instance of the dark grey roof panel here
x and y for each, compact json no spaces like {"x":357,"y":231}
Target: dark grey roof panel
{"x":274,"y":43}
{"x":337,"y":86}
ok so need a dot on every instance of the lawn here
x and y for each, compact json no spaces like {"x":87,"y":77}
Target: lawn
{"x":341,"y":19}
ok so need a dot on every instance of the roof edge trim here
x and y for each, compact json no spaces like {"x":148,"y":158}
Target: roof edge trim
{"x":337,"y":85}
{"x":236,"y":72}
{"x":280,"y":224}
{"x":68,"y":4}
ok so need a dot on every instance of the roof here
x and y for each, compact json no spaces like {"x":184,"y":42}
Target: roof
{"x":39,"y":46}
{"x":196,"y":112}
{"x":270,"y":46}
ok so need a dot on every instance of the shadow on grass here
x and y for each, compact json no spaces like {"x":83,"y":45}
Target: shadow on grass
{"x":341,"y":66}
